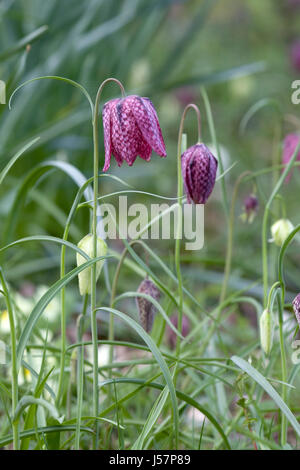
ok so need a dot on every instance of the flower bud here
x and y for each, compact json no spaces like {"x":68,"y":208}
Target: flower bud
{"x":87,"y":245}
{"x":199,"y":169}
{"x":266,"y":331}
{"x":281,"y":230}
{"x":250,"y":208}
{"x":296,"y":307}
{"x":145,"y":307}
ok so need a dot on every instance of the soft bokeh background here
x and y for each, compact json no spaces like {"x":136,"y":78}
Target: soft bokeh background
{"x":164,"y":49}
{"x":240,"y":50}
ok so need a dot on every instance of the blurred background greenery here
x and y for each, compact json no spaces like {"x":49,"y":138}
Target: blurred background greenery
{"x":164,"y":49}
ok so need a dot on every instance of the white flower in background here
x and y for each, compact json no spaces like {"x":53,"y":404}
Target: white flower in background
{"x":4,"y":322}
{"x":24,"y":304}
{"x":103,"y":354}
{"x":280,"y":231}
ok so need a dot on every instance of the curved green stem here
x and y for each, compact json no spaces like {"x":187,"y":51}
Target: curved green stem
{"x":181,"y":147}
{"x":94,"y":232}
{"x":265,"y":222}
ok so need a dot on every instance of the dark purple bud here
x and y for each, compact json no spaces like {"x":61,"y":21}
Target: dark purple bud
{"x":295,"y":55}
{"x":250,"y":207}
{"x":146,"y":308}
{"x":199,"y":168}
{"x":171,"y":335}
{"x":296,"y":307}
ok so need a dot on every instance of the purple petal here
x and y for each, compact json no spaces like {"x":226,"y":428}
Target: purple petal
{"x":147,"y":121}
{"x":106,"y":117}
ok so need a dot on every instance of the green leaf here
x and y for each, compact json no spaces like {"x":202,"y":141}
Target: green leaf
{"x":182,"y":396}
{"x":13,"y":160}
{"x":27,"y":400}
{"x":156,"y":305}
{"x":260,"y":379}
{"x":159,"y":358}
{"x":45,"y":300}
{"x":44,"y":430}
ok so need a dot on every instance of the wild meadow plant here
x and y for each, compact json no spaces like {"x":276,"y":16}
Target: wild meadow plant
{"x":78,"y":402}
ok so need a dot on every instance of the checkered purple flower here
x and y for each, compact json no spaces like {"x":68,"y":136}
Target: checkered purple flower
{"x":131,"y":129}
{"x":146,"y":308}
{"x":296,"y":307}
{"x":199,"y":168}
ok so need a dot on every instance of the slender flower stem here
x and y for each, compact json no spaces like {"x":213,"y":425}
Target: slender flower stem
{"x":80,"y":370}
{"x":216,"y":145}
{"x":230,"y":236}
{"x":13,"y":345}
{"x":280,"y":302}
{"x":94,"y":232}
{"x":181,"y":147}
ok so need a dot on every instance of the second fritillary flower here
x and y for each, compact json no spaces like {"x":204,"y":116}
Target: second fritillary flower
{"x":199,"y":169}
{"x":131,"y":129}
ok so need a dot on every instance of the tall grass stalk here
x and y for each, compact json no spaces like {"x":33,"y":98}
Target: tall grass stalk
{"x":14,"y":366}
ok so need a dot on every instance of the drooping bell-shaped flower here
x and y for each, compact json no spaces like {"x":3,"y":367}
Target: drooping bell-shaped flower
{"x":296,"y":307}
{"x":131,"y":129}
{"x":87,"y":245}
{"x":146,"y":308}
{"x":266,"y":325}
{"x":290,"y":144}
{"x":280,"y":231}
{"x":199,"y":168}
{"x":250,"y":208}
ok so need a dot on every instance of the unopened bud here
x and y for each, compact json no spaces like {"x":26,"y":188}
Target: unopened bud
{"x":281,"y":230}
{"x":146,"y":308}
{"x":87,"y":245}
{"x":266,"y":331}
{"x":250,"y":208}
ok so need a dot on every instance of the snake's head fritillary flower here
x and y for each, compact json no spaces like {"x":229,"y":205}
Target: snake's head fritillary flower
{"x":250,"y":208}
{"x":131,"y":129}
{"x":296,"y":307}
{"x":199,"y":168}
{"x":171,"y":335}
{"x":295,"y":55}
{"x":87,"y":245}
{"x":266,"y":325}
{"x":280,"y":231}
{"x":146,"y":308}
{"x":290,"y":144}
